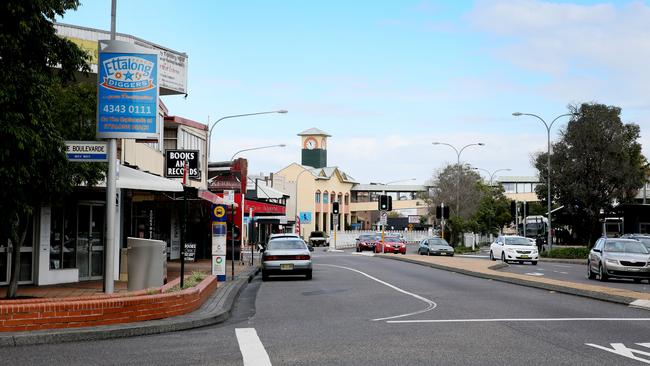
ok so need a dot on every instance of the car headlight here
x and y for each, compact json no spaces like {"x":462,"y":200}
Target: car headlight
{"x":611,"y":261}
{"x":511,"y":250}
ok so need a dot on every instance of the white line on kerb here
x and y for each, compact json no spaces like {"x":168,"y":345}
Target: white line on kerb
{"x":251,"y":348}
{"x":431,"y":304}
{"x":507,"y":320}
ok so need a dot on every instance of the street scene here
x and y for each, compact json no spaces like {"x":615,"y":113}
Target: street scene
{"x":324,"y":183}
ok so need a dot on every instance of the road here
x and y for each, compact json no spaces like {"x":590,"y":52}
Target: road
{"x":362,"y":310}
{"x":565,"y":272}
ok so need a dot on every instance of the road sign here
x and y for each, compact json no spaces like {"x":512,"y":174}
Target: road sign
{"x":229,"y":196}
{"x":383,"y":217}
{"x":86,"y":150}
{"x":335,"y":221}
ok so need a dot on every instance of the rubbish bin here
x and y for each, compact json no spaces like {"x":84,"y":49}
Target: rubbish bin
{"x":147,"y":263}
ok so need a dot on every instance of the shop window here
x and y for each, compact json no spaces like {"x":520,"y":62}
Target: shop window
{"x":317,"y":199}
{"x":347,"y":199}
{"x":63,"y":238}
{"x":325,"y":197}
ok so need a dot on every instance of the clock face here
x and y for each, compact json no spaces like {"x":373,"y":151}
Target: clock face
{"x":310,"y":143}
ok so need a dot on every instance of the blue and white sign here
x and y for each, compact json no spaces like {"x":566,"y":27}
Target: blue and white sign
{"x":127,"y":91}
{"x":219,"y":231}
{"x":86,"y":150}
{"x":305,"y":217}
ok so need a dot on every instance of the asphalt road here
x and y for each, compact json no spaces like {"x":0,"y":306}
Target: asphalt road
{"x":356,"y":310}
{"x":566,"y":272}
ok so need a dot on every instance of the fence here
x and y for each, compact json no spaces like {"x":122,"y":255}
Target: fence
{"x":347,"y":238}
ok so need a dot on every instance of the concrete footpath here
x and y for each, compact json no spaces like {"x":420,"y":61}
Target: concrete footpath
{"x":490,"y":270}
{"x":216,"y":309}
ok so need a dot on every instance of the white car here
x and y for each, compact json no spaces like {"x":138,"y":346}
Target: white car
{"x":514,"y":248}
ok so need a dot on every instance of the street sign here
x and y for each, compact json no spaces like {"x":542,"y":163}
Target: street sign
{"x":219,"y":231}
{"x":383,"y":217}
{"x":414,"y":219}
{"x":175,"y":160}
{"x":229,"y":196}
{"x":86,"y":150}
{"x":127,"y":91}
{"x":305,"y":217}
{"x":335,"y":221}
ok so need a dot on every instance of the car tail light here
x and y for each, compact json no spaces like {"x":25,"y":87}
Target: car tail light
{"x":286,"y":257}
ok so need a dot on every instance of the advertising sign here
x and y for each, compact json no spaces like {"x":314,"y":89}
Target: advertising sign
{"x":414,"y":219}
{"x":219,"y":231}
{"x":175,"y":159}
{"x":127,"y":91}
{"x":305,"y":217}
{"x":86,"y":150}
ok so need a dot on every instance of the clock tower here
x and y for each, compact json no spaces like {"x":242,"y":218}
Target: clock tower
{"x":314,"y":148}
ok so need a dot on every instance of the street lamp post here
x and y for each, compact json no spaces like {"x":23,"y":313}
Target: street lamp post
{"x":491,"y":175}
{"x":235,"y":116}
{"x":458,"y":152}
{"x":255,"y":148}
{"x":548,"y":166}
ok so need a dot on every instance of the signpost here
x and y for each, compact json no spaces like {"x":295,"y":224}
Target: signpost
{"x":219,"y":230}
{"x":79,"y":151}
{"x":383,"y":219}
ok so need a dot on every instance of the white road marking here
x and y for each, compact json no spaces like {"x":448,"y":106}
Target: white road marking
{"x":621,"y":350}
{"x":251,"y":348}
{"x":534,"y":274}
{"x":643,"y":304}
{"x":431,"y":304}
{"x":507,"y":320}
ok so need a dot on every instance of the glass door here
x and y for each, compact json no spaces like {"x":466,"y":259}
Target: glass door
{"x":90,"y":240}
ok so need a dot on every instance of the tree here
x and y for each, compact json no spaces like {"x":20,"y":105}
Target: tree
{"x":493,"y":212}
{"x":33,"y":165}
{"x":596,"y":163}
{"x":449,"y":184}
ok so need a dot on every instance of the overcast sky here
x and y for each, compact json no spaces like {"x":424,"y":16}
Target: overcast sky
{"x":387,"y":78}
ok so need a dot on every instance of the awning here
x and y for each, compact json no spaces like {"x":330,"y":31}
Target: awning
{"x":278,"y":220}
{"x":130,"y":178}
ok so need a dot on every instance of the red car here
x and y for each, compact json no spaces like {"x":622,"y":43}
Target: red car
{"x":392,"y":244}
{"x":368,"y":242}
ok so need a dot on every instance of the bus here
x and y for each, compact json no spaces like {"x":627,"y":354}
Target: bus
{"x":535,"y":226}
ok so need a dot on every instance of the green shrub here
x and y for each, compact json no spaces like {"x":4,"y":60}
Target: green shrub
{"x":567,"y":253}
{"x":194,"y":279}
{"x":461,"y":249}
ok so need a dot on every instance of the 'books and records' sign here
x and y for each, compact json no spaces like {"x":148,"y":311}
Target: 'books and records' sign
{"x":127,"y":91}
{"x":175,"y":160}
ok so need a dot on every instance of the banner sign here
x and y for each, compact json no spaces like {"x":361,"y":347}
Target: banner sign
{"x":219,"y":231}
{"x":127,"y":91}
{"x":175,"y":159}
{"x":86,"y":150}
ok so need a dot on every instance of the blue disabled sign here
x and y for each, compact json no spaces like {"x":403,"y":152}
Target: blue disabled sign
{"x":127,"y":91}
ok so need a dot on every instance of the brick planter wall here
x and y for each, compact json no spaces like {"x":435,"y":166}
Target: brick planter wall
{"x":34,"y":314}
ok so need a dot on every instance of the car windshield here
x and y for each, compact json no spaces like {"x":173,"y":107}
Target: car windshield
{"x":517,"y":241}
{"x":625,"y":247}
{"x":391,"y":238}
{"x":367,"y":237}
{"x":645,"y":241}
{"x":286,"y":244}
{"x":438,"y":241}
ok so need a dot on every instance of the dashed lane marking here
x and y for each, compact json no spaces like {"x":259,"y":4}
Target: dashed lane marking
{"x":508,"y":320}
{"x":251,"y":348}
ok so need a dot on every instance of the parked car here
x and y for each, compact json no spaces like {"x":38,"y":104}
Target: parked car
{"x":435,"y":246}
{"x":392,"y":244}
{"x":618,"y":257}
{"x":319,"y":238}
{"x":291,"y":235}
{"x":514,"y":248}
{"x":367,"y":242}
{"x":286,"y":256}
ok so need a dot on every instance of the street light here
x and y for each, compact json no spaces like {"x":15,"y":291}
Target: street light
{"x":548,"y":165}
{"x":458,"y":152}
{"x":283,"y":111}
{"x":491,"y":175}
{"x":256,"y":148}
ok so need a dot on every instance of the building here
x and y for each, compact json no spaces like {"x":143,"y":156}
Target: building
{"x":519,"y":188}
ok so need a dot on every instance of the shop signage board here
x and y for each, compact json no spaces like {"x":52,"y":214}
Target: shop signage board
{"x":414,"y":219}
{"x":219,"y":230}
{"x":190,"y":252}
{"x":175,"y":160}
{"x":86,"y":150}
{"x":127,"y":91}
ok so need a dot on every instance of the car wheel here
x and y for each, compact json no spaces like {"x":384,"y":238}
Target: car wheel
{"x":452,"y":254}
{"x":534,"y":263}
{"x":602,"y":275}
{"x":590,"y":274}
{"x":308,"y":275}
{"x":492,"y":256}
{"x":503,"y":258}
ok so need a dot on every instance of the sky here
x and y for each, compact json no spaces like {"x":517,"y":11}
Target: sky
{"x":388,"y":78}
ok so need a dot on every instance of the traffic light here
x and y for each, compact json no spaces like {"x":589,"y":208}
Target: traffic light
{"x":385,"y":203}
{"x":335,"y":208}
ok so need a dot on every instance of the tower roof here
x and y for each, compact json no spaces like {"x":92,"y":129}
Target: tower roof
{"x":314,"y":131}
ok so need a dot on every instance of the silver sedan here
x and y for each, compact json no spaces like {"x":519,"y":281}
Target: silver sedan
{"x":286,"y":256}
{"x":623,"y":258}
